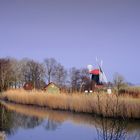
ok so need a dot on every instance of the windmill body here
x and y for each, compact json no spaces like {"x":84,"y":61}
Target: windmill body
{"x":98,"y":76}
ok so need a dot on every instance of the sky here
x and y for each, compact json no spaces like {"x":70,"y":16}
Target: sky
{"x":74,"y":32}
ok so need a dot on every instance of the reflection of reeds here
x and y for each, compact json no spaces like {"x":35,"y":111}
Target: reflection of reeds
{"x":62,"y":116}
{"x":102,"y":104}
{"x":55,"y":115}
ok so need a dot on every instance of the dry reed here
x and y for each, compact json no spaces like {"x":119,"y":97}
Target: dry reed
{"x":131,"y":91}
{"x":101,"y":104}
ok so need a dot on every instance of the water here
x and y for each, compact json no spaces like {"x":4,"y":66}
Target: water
{"x":20,"y":122}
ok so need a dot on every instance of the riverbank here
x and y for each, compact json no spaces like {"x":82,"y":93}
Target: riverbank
{"x":101,"y":104}
{"x":63,"y":116}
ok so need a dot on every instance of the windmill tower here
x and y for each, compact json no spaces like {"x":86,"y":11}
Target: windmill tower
{"x":98,"y":76}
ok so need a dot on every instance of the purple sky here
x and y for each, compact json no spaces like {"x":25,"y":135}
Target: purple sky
{"x":74,"y":32}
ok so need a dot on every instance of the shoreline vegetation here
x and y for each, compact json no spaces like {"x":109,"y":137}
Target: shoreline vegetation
{"x":102,"y":104}
{"x":61,"y":116}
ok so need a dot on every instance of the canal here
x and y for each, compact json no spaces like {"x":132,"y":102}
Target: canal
{"x":20,"y":122}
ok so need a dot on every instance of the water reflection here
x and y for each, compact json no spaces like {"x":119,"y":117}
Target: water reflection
{"x":13,"y":117}
{"x":52,"y":125}
{"x":6,"y":122}
{"x":112,"y":130}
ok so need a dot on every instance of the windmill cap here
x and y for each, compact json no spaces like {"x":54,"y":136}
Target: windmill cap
{"x":90,"y":67}
{"x":95,"y":72}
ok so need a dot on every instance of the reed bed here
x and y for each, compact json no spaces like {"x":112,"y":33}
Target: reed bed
{"x":131,"y":91}
{"x":101,"y":104}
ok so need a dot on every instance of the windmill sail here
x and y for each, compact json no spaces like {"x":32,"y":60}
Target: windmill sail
{"x":90,"y":67}
{"x":97,"y":75}
{"x":102,"y":76}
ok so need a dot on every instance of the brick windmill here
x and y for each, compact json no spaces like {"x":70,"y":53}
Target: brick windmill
{"x":98,"y":76}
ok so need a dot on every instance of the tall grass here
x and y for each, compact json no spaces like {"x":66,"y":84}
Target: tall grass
{"x":132,"y":91}
{"x":101,"y":104}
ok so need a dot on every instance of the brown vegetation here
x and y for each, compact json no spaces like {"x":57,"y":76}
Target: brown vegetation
{"x":131,"y":91}
{"x":101,"y":104}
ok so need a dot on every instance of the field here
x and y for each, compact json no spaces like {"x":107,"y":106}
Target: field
{"x":103,"y":104}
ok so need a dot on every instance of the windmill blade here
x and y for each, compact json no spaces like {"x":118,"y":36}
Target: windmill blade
{"x":90,"y":67}
{"x":101,"y":63}
{"x":102,"y":77}
{"x":96,"y":59}
{"x":105,"y":78}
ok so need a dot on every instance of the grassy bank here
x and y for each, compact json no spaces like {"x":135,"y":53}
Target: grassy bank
{"x":101,"y":104}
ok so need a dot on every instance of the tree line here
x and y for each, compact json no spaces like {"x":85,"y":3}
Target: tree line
{"x":15,"y":73}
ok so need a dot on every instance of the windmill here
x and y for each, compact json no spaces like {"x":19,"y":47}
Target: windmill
{"x":98,"y":76}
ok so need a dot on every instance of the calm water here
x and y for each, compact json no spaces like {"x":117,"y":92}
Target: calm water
{"x":21,"y":122}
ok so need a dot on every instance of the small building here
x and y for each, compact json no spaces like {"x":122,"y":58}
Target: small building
{"x":52,"y":88}
{"x":28,"y":86}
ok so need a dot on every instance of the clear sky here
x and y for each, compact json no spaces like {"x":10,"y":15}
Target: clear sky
{"x":74,"y":32}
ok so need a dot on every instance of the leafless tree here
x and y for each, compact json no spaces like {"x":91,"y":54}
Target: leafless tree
{"x":79,"y":79}
{"x":33,"y":72}
{"x":84,"y":79}
{"x":16,"y":73}
{"x":60,"y":75}
{"x":74,"y":79}
{"x":5,"y":73}
{"x":119,"y":81}
{"x":50,"y":65}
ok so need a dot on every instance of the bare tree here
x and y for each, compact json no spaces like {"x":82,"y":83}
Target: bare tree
{"x":75,"y":79}
{"x":5,"y":74}
{"x":84,"y":80}
{"x":79,"y":79}
{"x":60,"y":75}
{"x":50,"y":65}
{"x":16,"y":73}
{"x":33,"y":72}
{"x":119,"y":81}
